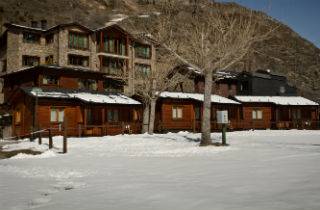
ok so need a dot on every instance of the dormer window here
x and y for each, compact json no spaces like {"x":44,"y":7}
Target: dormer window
{"x":31,"y":37}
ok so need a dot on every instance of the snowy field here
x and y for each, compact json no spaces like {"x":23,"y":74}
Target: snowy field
{"x":260,"y":170}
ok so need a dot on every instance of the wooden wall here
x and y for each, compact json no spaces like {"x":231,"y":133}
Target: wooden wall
{"x":164,"y":119}
{"x":249,"y":123}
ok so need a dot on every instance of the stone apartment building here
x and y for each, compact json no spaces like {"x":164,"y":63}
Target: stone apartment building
{"x":109,"y":49}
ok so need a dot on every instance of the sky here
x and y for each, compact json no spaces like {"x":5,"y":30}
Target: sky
{"x":303,"y":16}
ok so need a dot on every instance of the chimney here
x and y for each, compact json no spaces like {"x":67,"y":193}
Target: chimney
{"x":44,"y":24}
{"x":34,"y":24}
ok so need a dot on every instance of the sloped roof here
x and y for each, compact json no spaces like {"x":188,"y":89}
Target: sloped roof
{"x":51,"y":67}
{"x":84,"y":96}
{"x":279,"y":100}
{"x":197,"y":96}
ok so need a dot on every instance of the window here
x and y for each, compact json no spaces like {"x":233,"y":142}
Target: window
{"x":31,"y":38}
{"x":112,"y":45}
{"x":88,"y":84}
{"x":17,"y":117}
{"x":4,"y":65}
{"x":78,"y":41}
{"x":282,"y":89}
{"x":197,"y":112}
{"x":113,"y":115}
{"x":143,"y":69}
{"x":49,"y":38}
{"x":93,"y":115}
{"x":142,"y":51}
{"x":49,"y":60}
{"x":244,"y":86}
{"x":56,"y":115}
{"x":34,"y":24}
{"x":78,"y":60}
{"x":135,"y":115}
{"x":296,"y":114}
{"x":112,"y":66}
{"x":257,"y":114}
{"x":50,"y":80}
{"x":30,"y":60}
{"x":177,"y":112}
{"x":112,"y":87}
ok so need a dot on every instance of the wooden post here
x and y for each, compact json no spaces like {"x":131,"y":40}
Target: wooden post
{"x":103,"y":112}
{"x":224,"y":131}
{"x":79,"y":130}
{"x":32,"y":137}
{"x":40,"y":138}
{"x":50,"y":139}
{"x":122,"y":128}
{"x":194,"y":125}
{"x":65,"y":133}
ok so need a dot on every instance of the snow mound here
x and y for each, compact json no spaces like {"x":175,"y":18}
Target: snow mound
{"x":47,"y":154}
{"x":25,"y":144}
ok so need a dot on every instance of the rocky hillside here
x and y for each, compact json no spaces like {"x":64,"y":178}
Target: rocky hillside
{"x":286,"y":52}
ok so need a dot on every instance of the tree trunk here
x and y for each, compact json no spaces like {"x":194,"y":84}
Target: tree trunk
{"x":206,"y":119}
{"x":145,"y":120}
{"x":152,"y":115}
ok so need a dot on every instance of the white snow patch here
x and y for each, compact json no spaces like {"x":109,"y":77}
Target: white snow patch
{"x":279,"y":100}
{"x":144,"y":16}
{"x":25,"y":144}
{"x":46,"y":154}
{"x":196,"y":96}
{"x":264,"y":169}
{"x":88,"y":97}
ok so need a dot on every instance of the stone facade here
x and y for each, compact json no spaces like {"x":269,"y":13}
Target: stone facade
{"x":59,"y":49}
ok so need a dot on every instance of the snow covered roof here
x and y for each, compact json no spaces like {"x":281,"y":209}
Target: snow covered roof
{"x":104,"y":98}
{"x":197,"y":97}
{"x":88,"y":97}
{"x":279,"y":100}
{"x":226,"y":74}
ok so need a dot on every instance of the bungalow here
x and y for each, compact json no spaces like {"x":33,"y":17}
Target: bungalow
{"x":183,"y":111}
{"x":87,"y":102}
{"x":278,"y":112}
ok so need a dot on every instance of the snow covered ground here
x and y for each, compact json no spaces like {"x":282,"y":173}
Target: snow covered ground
{"x":260,"y":170}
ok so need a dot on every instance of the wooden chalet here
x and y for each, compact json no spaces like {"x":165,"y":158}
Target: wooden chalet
{"x":183,"y":111}
{"x":86,"y":102}
{"x":278,"y":112}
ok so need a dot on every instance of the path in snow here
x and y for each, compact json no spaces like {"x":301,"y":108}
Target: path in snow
{"x":260,"y":170}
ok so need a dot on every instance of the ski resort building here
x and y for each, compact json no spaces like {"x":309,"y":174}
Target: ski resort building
{"x":74,"y":78}
{"x":183,"y":111}
{"x":43,"y":97}
{"x":279,"y":112}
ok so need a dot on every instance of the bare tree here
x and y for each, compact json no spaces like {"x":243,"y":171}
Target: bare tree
{"x":149,"y":85}
{"x":217,"y":39}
